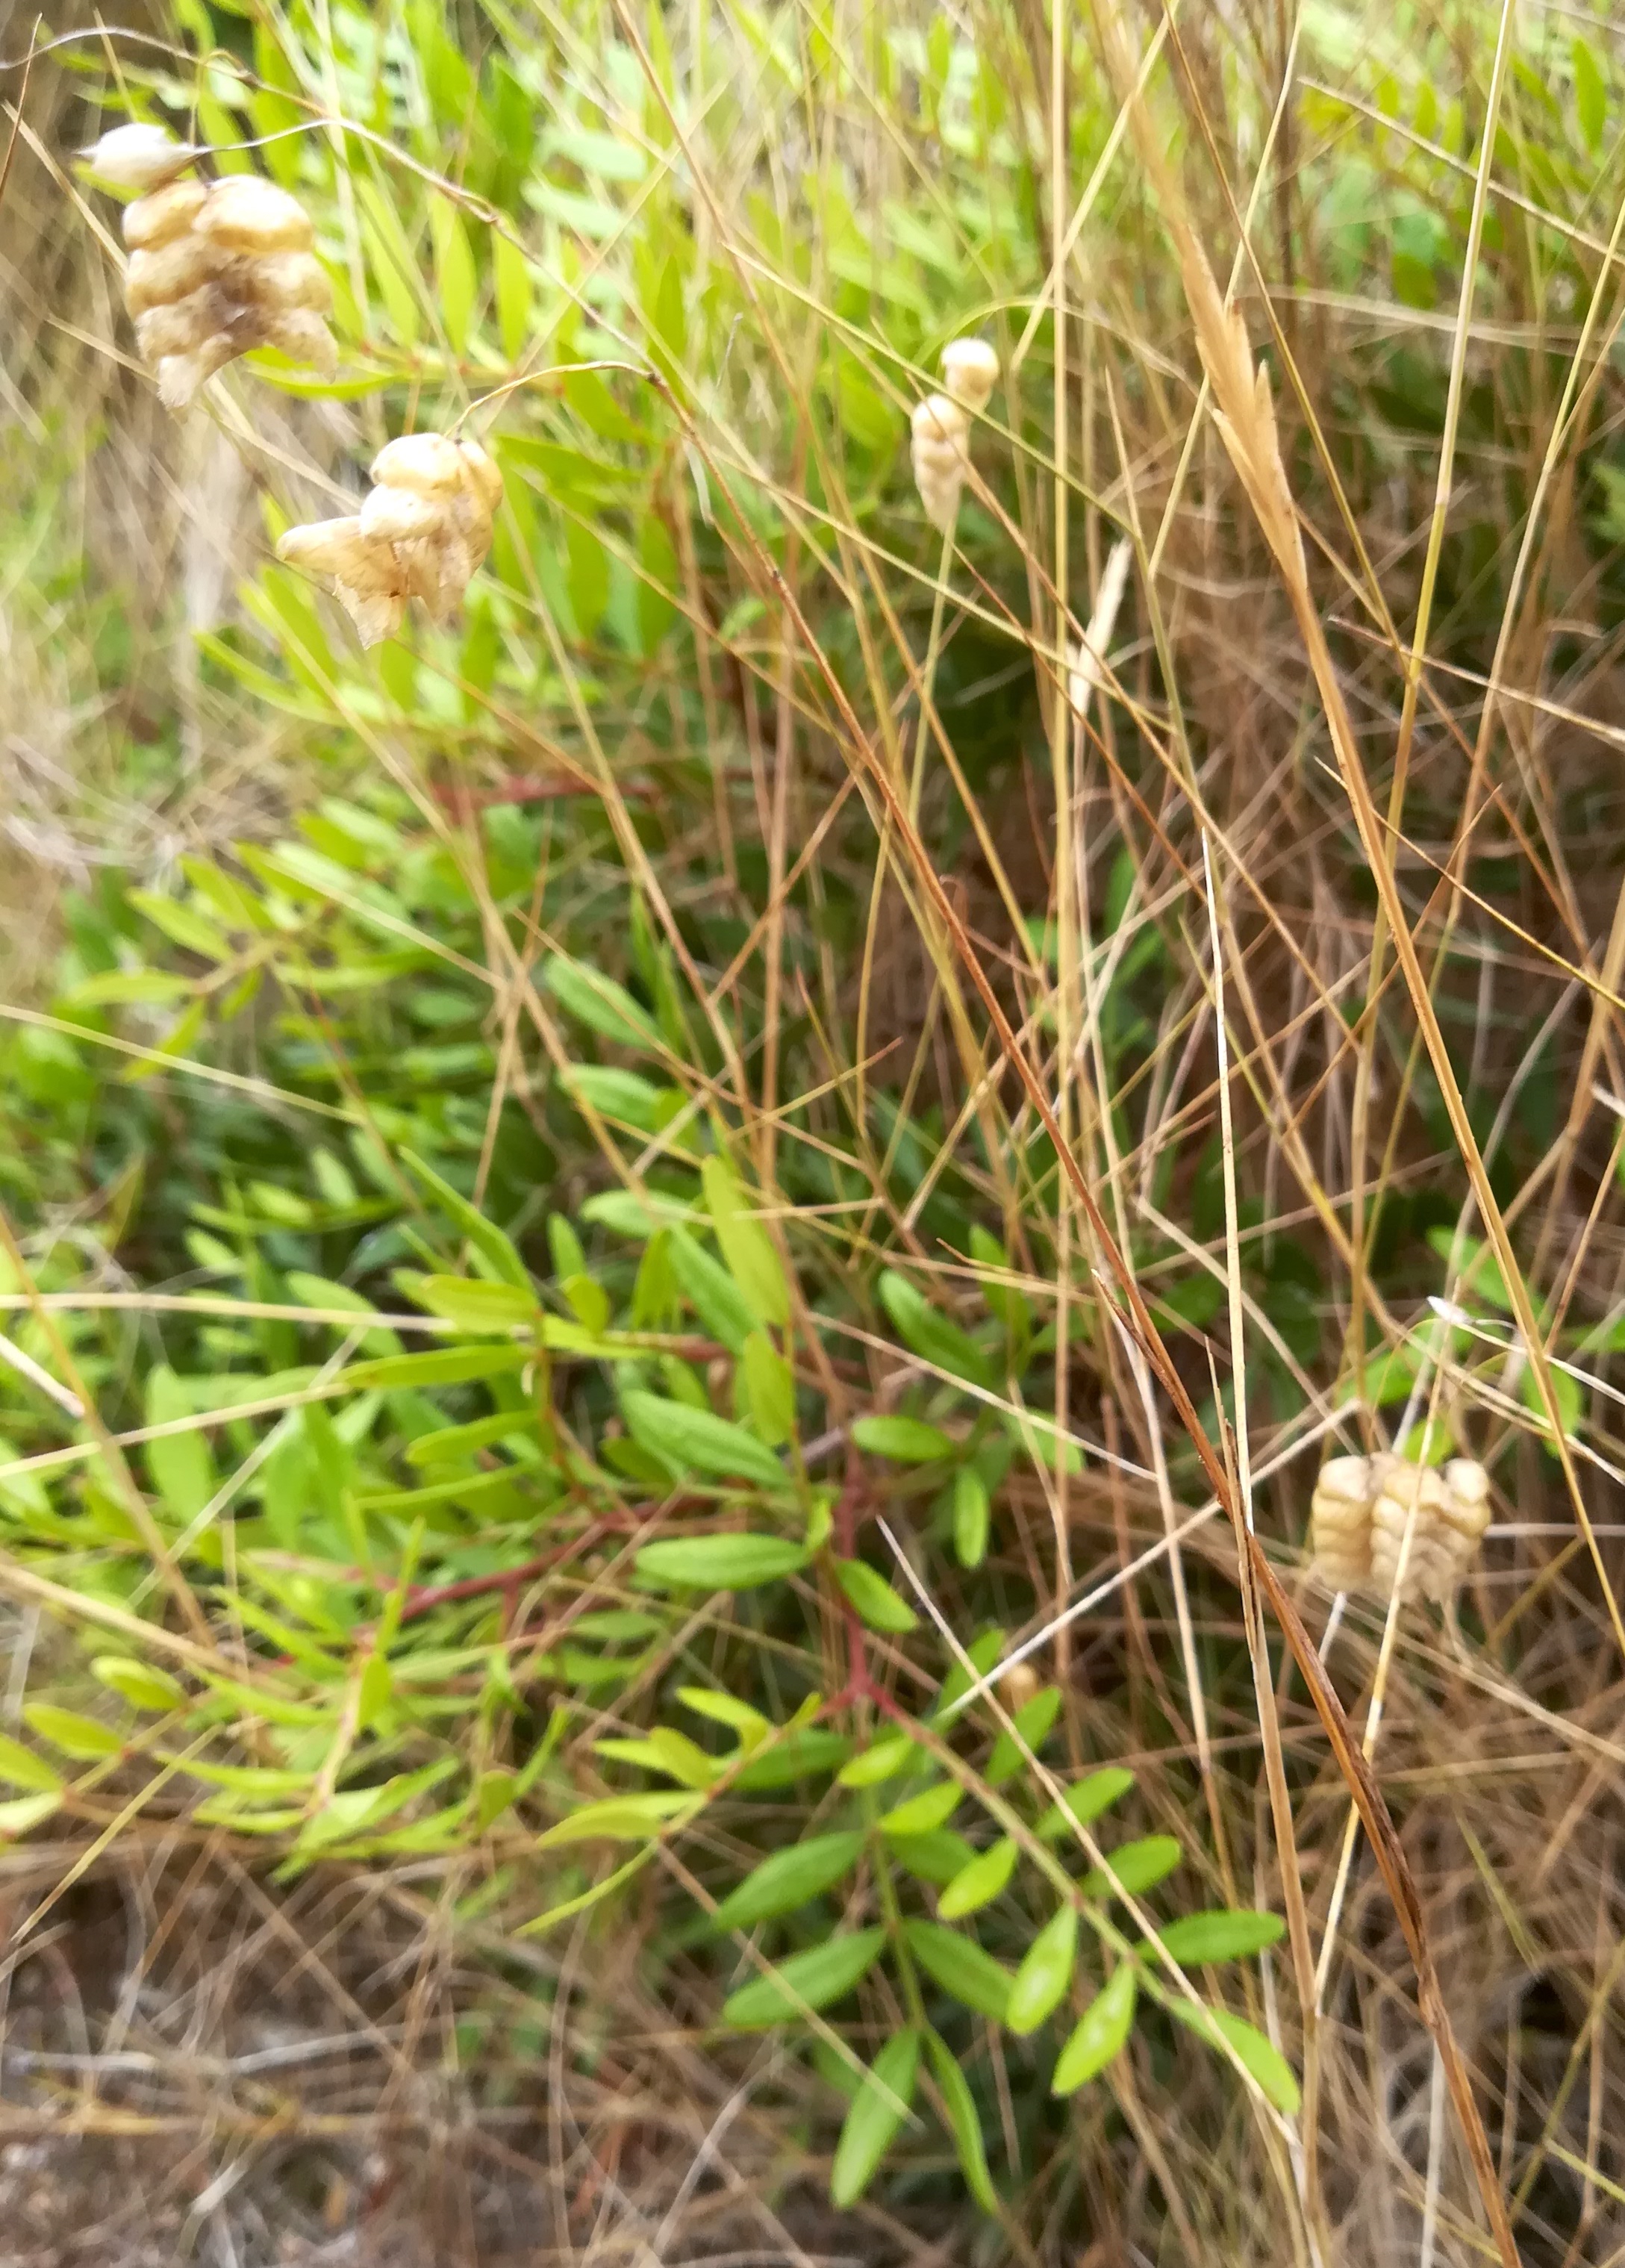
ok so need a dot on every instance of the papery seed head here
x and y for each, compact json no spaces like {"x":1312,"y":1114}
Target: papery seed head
{"x":400,"y":515}
{"x":483,"y":472}
{"x":137,"y":156}
{"x":970,"y":370}
{"x":166,"y":214}
{"x":937,"y":418}
{"x":245,"y":213}
{"x":324,"y":547}
{"x":300,"y":334}
{"x":427,"y":463}
{"x":174,"y":271}
{"x":288,"y":280}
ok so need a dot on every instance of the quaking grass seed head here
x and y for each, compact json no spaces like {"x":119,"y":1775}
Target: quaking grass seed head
{"x":939,"y":448}
{"x":970,"y":371}
{"x":137,"y":156}
{"x":421,"y":533}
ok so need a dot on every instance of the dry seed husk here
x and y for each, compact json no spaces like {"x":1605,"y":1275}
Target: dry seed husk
{"x":421,"y":533}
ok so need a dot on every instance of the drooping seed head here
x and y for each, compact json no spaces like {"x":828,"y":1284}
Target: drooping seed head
{"x":970,"y":371}
{"x":138,"y":157}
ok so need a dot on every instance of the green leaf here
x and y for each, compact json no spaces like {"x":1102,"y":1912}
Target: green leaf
{"x":788,"y":1879}
{"x":442,"y":1366}
{"x":19,"y":1767}
{"x":486,"y":1238}
{"x":1590,"y":95}
{"x":25,"y":1811}
{"x":713,"y":1293}
{"x":1220,"y":1936}
{"x":1100,"y":2035}
{"x":618,"y":1819}
{"x":1033,"y":1723}
{"x":804,"y":1752}
{"x":513,"y":294}
{"x":474,"y":1304}
{"x":84,"y":1738}
{"x":959,"y":2105}
{"x":929,"y":1334}
{"x":872,"y":1598}
{"x":1042,"y":1980}
{"x":1138,"y":1866}
{"x":979,"y":1883}
{"x":724,"y":1709}
{"x":925,"y":1813}
{"x":599,"y":1002}
{"x":882,"y":1760}
{"x":935,"y":1858}
{"x":139,"y":1683}
{"x":1086,"y":1801}
{"x":1266,"y":2065}
{"x":813,"y":1979}
{"x":769,"y":1390}
{"x":878,"y":2111}
{"x":181,"y":1469}
{"x":747,"y":1248}
{"x":971,"y":1517}
{"x":697,"y":1440}
{"x":958,"y":1964}
{"x":720,"y":1563}
{"x":456,"y":278}
{"x":905,"y":1440}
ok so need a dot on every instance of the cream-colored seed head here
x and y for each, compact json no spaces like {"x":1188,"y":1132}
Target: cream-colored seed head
{"x":970,"y":371}
{"x":136,"y":157}
{"x":939,"y":447}
{"x":216,"y":269}
{"x":421,"y":533}
{"x":1372,"y":1514}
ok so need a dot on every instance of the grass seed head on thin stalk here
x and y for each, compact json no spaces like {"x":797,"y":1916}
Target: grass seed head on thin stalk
{"x":939,"y":447}
{"x":970,"y":370}
{"x":1361,"y":1510}
{"x":139,"y":158}
{"x":420,"y":535}
{"x":216,"y":269}
{"x":1340,"y":1523}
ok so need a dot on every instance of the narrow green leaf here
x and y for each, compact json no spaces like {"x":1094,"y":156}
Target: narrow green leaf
{"x":805,"y":1752}
{"x":979,"y":1883}
{"x":747,"y":1248}
{"x":1086,"y":1801}
{"x":84,"y":1738}
{"x":19,"y":1767}
{"x":697,"y":1440}
{"x":513,"y":294}
{"x":933,"y":1859}
{"x":958,"y":1964}
{"x":456,"y":278}
{"x":873,"y":1599}
{"x":1033,"y":1723}
{"x":139,"y":1683}
{"x":1042,"y":1980}
{"x":905,"y":1440}
{"x":618,"y":1819}
{"x":1138,"y":1866}
{"x":1590,"y":95}
{"x":441,"y":1367}
{"x":813,"y":1979}
{"x":972,"y":1517}
{"x":486,"y":1238}
{"x":925,"y":1813}
{"x":1231,"y":1935}
{"x":1265,"y":2062}
{"x":474,"y":1304}
{"x":182,"y":1468}
{"x":599,"y":1002}
{"x":1106,"y":2025}
{"x":711,"y":1291}
{"x":878,"y":2111}
{"x":720,"y":1563}
{"x":724,"y":1709}
{"x":931,"y":1335}
{"x":882,"y":1760}
{"x":770,"y":1391}
{"x":788,"y":1879}
{"x":959,"y":2105}
{"x":25,"y":1811}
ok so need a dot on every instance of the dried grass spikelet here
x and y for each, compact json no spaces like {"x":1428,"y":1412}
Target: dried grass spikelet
{"x":940,"y":427}
{"x":420,"y":535}
{"x":1087,"y":672}
{"x":216,"y":268}
{"x":1363,"y":1507}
